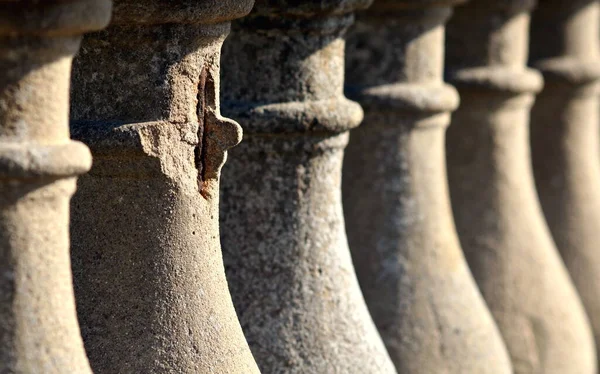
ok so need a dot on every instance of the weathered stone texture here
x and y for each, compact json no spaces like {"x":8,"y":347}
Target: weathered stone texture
{"x":38,"y":165}
{"x":564,"y":138}
{"x":499,"y":220}
{"x":151,"y":290}
{"x":404,"y":244}
{"x":284,"y":243}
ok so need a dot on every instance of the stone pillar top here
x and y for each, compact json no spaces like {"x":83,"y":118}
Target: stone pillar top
{"x":510,"y":7}
{"x":309,"y":8}
{"x":405,"y":37}
{"x":39,"y":38}
{"x":53,"y":17}
{"x":493,"y":59}
{"x":390,"y":5}
{"x":302,"y":91}
{"x":574,"y":54}
{"x":179,"y":11}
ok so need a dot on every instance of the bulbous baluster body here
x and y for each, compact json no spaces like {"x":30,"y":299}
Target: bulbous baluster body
{"x":565,"y":141}
{"x":498,"y":217}
{"x":404,"y":244}
{"x":284,"y":242}
{"x":38,"y":169}
{"x":150,"y":283}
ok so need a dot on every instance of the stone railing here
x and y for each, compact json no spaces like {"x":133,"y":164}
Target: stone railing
{"x":333,"y":240}
{"x":498,"y":217}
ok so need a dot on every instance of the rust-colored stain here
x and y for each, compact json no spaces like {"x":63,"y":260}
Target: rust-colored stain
{"x":204,"y":85}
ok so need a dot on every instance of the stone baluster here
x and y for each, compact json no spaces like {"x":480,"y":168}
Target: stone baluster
{"x":411,"y":269}
{"x":284,"y":243}
{"x":564,"y":139}
{"x":38,"y":169}
{"x":149,"y":279}
{"x":498,"y":217}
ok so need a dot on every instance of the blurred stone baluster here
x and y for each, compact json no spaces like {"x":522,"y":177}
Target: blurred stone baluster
{"x":38,"y":169}
{"x":498,"y":217}
{"x":150,"y":283}
{"x":284,"y":242}
{"x":411,"y":269}
{"x":564,"y":138}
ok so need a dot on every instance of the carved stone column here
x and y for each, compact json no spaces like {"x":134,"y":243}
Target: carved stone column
{"x":404,"y":244}
{"x":498,"y":217}
{"x":38,"y":168}
{"x":564,"y":138}
{"x":149,"y":278}
{"x":284,"y":242}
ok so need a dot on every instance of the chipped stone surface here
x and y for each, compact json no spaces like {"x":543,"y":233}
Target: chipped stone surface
{"x":151,"y":290}
{"x":498,"y":217}
{"x":38,"y":165}
{"x":564,"y":138}
{"x":284,"y":243}
{"x":401,"y":232}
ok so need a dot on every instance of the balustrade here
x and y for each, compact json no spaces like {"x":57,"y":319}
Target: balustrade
{"x":498,"y":216}
{"x":400,"y":227}
{"x":148,"y":289}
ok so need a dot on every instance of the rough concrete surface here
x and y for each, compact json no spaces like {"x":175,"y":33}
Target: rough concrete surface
{"x":284,"y":243}
{"x":499,"y":220}
{"x":151,"y":290}
{"x":401,"y":232}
